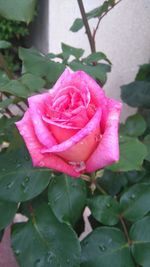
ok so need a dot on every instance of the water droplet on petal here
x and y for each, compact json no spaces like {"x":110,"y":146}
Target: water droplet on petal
{"x":78,"y":166}
{"x":41,"y":164}
{"x":98,"y":137}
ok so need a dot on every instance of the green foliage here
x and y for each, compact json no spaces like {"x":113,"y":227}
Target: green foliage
{"x":52,"y":202}
{"x":105,"y":246}
{"x":18,"y":10}
{"x":97,"y":12}
{"x":45,"y":240}
{"x":68,"y":205}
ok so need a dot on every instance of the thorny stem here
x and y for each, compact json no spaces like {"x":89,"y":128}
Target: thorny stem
{"x":125,"y":229}
{"x":101,"y":17}
{"x":87,"y":27}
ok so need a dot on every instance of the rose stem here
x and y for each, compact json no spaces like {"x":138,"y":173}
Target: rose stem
{"x":87,"y":27}
{"x":125,"y":229}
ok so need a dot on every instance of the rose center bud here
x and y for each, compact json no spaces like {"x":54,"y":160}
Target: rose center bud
{"x":67,"y":113}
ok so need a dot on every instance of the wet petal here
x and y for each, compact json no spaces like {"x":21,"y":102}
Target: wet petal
{"x":48,"y":160}
{"x":107,"y":151}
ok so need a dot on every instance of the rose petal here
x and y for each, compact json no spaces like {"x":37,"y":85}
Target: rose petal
{"x":36,"y":109}
{"x":107,"y":151}
{"x":49,"y":160}
{"x":70,"y":151}
{"x":81,"y":80}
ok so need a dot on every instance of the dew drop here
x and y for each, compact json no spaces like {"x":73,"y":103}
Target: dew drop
{"x":41,"y":163}
{"x":17,"y":251}
{"x":98,"y":137}
{"x":132,"y":196}
{"x":18,"y":165}
{"x":37,"y":263}
{"x":24,"y":184}
{"x":10,"y":185}
{"x":49,"y":257}
{"x":110,"y":241}
{"x":78,"y":166}
{"x":27,"y":158}
{"x":22,"y":132}
{"x":68,"y":261}
{"x":108,"y":205}
{"x":102,"y":248}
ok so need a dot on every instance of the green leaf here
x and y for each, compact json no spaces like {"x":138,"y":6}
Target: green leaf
{"x":67,"y":197}
{"x":97,"y":72}
{"x":77,"y":25}
{"x":135,"y":201}
{"x":147,"y":144}
{"x":105,"y":209}
{"x":70,"y":50}
{"x":24,"y":86}
{"x":132,"y":154}
{"x":140,"y":235}
{"x":136,"y":94}
{"x":135,"y":125}
{"x":40,"y":65}
{"x":112,"y":182}
{"x":3,"y":78}
{"x":15,"y":87}
{"x":96,"y":57}
{"x":7,"y":211}
{"x":143,"y":73}
{"x":19,"y":181}
{"x":4,"y":44}
{"x":18,"y":10}
{"x":6,"y":102}
{"x":32,"y":82}
{"x":94,"y":13}
{"x":105,"y":246}
{"x":46,"y":241}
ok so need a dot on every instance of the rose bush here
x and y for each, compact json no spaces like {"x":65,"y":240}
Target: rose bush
{"x":73,"y":128}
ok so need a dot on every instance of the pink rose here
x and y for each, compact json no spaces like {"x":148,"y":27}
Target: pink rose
{"x":73,"y":128}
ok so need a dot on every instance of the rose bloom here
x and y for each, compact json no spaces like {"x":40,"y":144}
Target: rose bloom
{"x":73,"y":128}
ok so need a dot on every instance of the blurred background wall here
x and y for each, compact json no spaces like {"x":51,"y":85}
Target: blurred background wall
{"x":124,"y":36}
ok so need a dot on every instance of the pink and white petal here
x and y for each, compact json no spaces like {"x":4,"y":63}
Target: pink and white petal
{"x":107,"y":151}
{"x":37,"y":110}
{"x":49,"y":160}
{"x":82,"y":81}
{"x":81,"y":151}
{"x":63,"y":80}
{"x":93,"y":124}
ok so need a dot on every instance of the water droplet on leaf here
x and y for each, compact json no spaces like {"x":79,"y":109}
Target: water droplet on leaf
{"x":132,"y":196}
{"x":102,"y":248}
{"x":68,"y":261}
{"x":9,"y":185}
{"x":17,"y":251}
